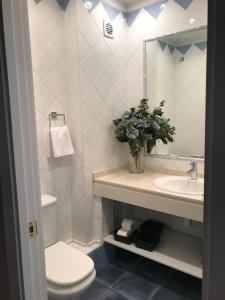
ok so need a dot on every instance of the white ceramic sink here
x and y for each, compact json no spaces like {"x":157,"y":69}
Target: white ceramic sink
{"x":180,"y":185}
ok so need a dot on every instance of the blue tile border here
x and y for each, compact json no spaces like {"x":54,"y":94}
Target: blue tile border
{"x":171,"y":48}
{"x":184,"y":49}
{"x":94,"y":4}
{"x":162,"y":45}
{"x":201,"y":46}
{"x":63,"y":3}
{"x":153,"y":9}
{"x":131,"y":16}
{"x":111,"y":11}
{"x":184,"y":3}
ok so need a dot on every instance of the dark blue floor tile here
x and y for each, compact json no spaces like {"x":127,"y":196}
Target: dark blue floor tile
{"x":103,"y":255}
{"x":125,"y":259}
{"x":153,"y":271}
{"x":109,"y":274}
{"x":185,"y":284}
{"x":135,"y":287}
{"x":165,"y":294}
{"x":96,"y":290}
{"x":194,"y":297}
{"x":112,"y":295}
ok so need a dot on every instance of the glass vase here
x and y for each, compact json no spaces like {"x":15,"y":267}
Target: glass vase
{"x":149,"y":146}
{"x":136,"y":164}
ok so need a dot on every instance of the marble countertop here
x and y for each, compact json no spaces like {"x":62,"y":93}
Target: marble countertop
{"x":121,"y":177}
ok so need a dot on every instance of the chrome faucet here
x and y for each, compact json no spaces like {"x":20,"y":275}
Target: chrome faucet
{"x":194,"y":170}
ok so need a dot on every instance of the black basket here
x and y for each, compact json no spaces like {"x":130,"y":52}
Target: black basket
{"x":148,"y":242}
{"x":126,"y":240}
{"x":149,"y":228}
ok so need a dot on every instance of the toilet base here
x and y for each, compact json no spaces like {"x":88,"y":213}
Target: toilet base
{"x":73,"y":293}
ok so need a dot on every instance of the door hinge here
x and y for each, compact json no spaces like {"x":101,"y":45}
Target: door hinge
{"x":32,"y":228}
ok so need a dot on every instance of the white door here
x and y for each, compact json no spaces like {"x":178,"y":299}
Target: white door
{"x":15,"y":19}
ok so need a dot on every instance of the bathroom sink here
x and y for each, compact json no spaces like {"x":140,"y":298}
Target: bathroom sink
{"x":180,"y":185}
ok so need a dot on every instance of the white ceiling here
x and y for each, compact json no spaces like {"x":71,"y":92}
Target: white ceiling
{"x":128,"y":1}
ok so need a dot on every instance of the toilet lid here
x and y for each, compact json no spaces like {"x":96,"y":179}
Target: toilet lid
{"x":66,"y":265}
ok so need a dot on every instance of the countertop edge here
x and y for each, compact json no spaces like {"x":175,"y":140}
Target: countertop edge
{"x":172,"y":196}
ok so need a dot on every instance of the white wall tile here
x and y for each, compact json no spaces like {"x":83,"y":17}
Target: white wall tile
{"x":93,"y":79}
{"x":103,"y":84}
{"x":92,"y":100}
{"x":91,"y":66}
{"x":83,"y":46}
{"x":53,"y":43}
{"x":102,"y":51}
{"x":55,"y":80}
{"x":43,"y":98}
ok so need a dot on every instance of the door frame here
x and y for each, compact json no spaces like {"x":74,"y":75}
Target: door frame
{"x":214,"y":204}
{"x":25,"y":150}
{"x":11,"y":285}
{"x":24,"y":138}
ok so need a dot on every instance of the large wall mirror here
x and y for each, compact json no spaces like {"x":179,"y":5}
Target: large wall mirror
{"x":175,"y":71}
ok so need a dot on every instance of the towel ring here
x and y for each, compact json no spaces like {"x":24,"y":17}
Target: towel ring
{"x":53,"y":116}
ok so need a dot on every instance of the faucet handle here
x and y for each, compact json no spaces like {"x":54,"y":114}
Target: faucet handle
{"x":193,"y":164}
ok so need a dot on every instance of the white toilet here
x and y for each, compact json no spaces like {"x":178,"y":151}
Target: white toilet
{"x":69,"y":272}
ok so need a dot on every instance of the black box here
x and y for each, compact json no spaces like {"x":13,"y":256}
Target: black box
{"x":126,"y":240}
{"x":150,"y":227}
{"x":148,"y":242}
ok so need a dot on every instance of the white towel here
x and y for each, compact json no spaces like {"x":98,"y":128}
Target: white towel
{"x":49,"y":145}
{"x":59,"y":142}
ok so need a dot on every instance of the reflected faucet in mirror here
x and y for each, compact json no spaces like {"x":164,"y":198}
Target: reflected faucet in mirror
{"x":193,"y":172}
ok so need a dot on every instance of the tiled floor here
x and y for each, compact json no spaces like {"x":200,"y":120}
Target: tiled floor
{"x":135,"y":278}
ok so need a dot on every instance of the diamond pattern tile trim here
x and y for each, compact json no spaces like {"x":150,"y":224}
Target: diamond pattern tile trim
{"x":162,"y":45}
{"x":183,"y":49}
{"x":94,"y":3}
{"x":63,"y":3}
{"x":131,"y":16}
{"x":184,"y":3}
{"x":111,"y":11}
{"x":155,"y":9}
{"x":201,"y":46}
{"x":171,"y":48}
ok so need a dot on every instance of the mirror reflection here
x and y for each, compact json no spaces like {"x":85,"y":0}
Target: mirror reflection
{"x":176,"y":72}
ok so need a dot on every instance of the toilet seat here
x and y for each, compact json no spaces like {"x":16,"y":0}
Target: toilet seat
{"x":68,"y":271}
{"x":63,"y":293}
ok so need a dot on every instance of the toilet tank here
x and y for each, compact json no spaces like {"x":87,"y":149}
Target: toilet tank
{"x":49,"y":219}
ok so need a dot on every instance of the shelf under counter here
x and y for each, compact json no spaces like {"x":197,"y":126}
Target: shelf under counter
{"x":176,"y":250}
{"x":138,"y":190}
